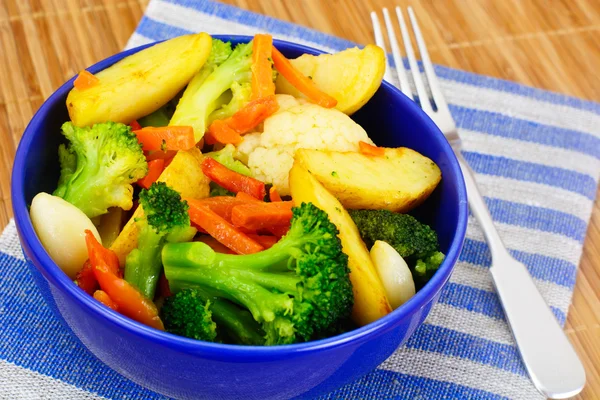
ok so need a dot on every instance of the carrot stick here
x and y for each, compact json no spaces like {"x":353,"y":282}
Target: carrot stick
{"x":370,"y":150}
{"x":155,"y":168}
{"x":159,"y":154}
{"x":128,"y":299}
{"x":301,"y":82}
{"x":135,"y":125}
{"x":221,"y":205}
{"x":261,"y":215}
{"x":103,"y":298}
{"x":86,"y":280}
{"x":264,"y":240}
{"x":278,"y":230}
{"x":85,"y":80}
{"x":220,"y":132}
{"x":231,"y":180}
{"x":166,"y":138}
{"x":253,"y":113}
{"x":273,"y":195}
{"x":246,"y":197}
{"x":222,"y":230}
{"x":262,"y":70}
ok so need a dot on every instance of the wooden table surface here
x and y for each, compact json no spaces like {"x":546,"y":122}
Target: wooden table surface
{"x":550,"y":44}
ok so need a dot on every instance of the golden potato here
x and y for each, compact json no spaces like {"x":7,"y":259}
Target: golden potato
{"x":370,"y":301}
{"x":140,"y":83}
{"x":184,"y":175}
{"x":399,"y":181}
{"x":351,"y":76}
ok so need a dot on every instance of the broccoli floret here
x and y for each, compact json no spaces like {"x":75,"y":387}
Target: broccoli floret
{"x":295,"y":290}
{"x":213,"y":87}
{"x":165,"y":220}
{"x":417,"y":243}
{"x":187,"y":314}
{"x":98,"y":166}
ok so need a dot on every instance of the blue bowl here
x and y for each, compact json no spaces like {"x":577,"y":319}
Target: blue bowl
{"x":184,"y":368}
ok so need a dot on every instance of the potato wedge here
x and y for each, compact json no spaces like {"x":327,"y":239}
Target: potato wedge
{"x":399,"y":181}
{"x":351,"y":76}
{"x":370,"y":301}
{"x":184,"y":174}
{"x":141,"y":83}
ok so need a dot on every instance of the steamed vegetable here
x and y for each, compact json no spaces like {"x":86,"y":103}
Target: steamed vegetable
{"x":351,"y":76}
{"x":416,"y":242}
{"x":187,"y":314}
{"x":296,"y":125}
{"x":184,"y":175}
{"x":128,"y":300}
{"x":295,"y":290}
{"x":111,"y":225}
{"x":225,"y":157}
{"x":165,"y":219}
{"x":393,"y":272}
{"x":399,"y":180}
{"x":216,"y":86}
{"x":140,"y":83}
{"x":60,"y":227}
{"x":370,"y":301}
{"x":98,"y":166}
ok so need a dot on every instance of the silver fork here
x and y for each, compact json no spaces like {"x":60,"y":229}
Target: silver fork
{"x":549,"y":358}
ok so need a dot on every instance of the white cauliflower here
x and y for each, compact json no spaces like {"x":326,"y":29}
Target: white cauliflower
{"x":296,"y":125}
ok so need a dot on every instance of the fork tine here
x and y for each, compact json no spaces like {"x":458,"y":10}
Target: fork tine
{"x":404,"y":85}
{"x":381,"y":43}
{"x":414,"y":68}
{"x":436,"y":92}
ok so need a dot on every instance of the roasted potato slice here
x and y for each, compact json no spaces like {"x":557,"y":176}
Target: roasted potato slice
{"x":140,"y":83}
{"x":398,"y":181}
{"x":370,"y":301}
{"x":351,"y":76}
{"x":184,"y":175}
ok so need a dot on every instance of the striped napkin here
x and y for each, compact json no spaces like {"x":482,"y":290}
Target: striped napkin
{"x":537,"y":159}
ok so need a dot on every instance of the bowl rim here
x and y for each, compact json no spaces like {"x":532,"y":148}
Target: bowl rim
{"x":54,"y":274}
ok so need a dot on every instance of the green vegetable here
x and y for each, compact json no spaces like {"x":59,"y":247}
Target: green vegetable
{"x":165,"y":220}
{"x":98,"y":166}
{"x":220,"y":85}
{"x":225,"y":157}
{"x":187,"y":314}
{"x":160,"y":117}
{"x":296,"y":290}
{"x":417,"y":243}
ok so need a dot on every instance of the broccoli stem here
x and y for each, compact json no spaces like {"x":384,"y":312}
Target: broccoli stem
{"x":236,"y":323}
{"x":143,"y":265}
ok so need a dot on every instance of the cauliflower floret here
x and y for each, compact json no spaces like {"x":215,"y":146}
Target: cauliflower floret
{"x":296,"y":125}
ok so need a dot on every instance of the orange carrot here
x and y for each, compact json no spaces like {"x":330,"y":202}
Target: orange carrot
{"x":273,"y":195}
{"x":262,"y":70}
{"x":166,"y":138}
{"x":246,"y":197}
{"x":85,"y":80}
{"x":103,"y":298}
{"x":370,"y":150}
{"x":278,"y":230}
{"x":159,"y":154}
{"x":220,"y":132}
{"x":231,"y":180}
{"x":163,"y":286}
{"x":261,"y":215}
{"x":155,"y":168}
{"x":264,"y":240}
{"x":222,"y":230}
{"x":216,"y":245}
{"x":221,"y":205}
{"x":253,"y":113}
{"x":301,"y":82}
{"x":135,"y":125}
{"x":128,"y":299}
{"x":85,"y":278}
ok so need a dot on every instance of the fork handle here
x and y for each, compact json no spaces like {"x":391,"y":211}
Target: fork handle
{"x":549,"y":357}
